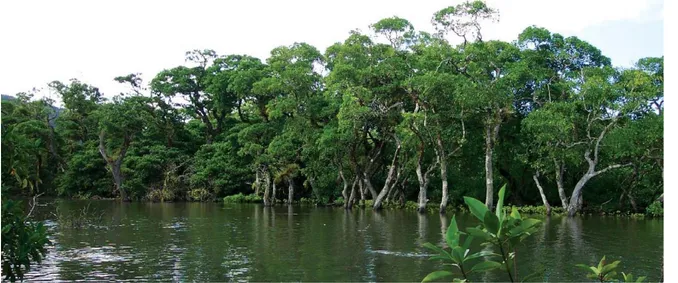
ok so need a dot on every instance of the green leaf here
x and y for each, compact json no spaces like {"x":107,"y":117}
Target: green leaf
{"x":475,"y":232}
{"x":458,"y":254}
{"x":438,"y":249}
{"x":585,"y":267}
{"x":641,"y":279}
{"x":491,"y":223}
{"x":467,"y":242}
{"x":486,"y":266}
{"x":533,"y":276}
{"x":477,"y":208}
{"x":437,"y":275}
{"x":610,"y":267}
{"x":601,"y":263}
{"x":515,"y":214}
{"x":525,"y":226}
{"x":500,"y":203}
{"x":452,"y":235}
{"x":481,"y":254}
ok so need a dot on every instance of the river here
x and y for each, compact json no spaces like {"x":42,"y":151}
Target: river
{"x":247,"y":242}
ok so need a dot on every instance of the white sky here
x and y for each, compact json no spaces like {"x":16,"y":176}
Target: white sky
{"x":95,"y":41}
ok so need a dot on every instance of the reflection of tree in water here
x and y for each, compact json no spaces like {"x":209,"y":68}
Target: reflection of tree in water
{"x":444,"y":223}
{"x":422,"y":221}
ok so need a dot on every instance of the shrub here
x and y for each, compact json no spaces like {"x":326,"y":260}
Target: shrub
{"x":240,"y":198}
{"x":199,"y":195}
{"x":160,"y":195}
{"x":656,"y":209}
{"x":23,"y":241}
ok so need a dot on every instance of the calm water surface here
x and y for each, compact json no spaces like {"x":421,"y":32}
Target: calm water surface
{"x":225,"y":242}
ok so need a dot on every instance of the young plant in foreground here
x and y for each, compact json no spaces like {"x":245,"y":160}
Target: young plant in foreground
{"x":459,"y":255}
{"x":499,"y":229}
{"x":606,"y":272}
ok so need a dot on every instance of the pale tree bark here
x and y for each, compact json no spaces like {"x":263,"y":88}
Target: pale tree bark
{"x":290,"y":191}
{"x":116,"y":164}
{"x":541,"y":192}
{"x":273,"y":198}
{"x":267,"y":185}
{"x":362,"y":193}
{"x":576,"y":199}
{"x":351,"y":200}
{"x":491,"y":131}
{"x":423,"y":178}
{"x":257,"y":182}
{"x":389,"y":178}
{"x":442,"y":161}
{"x":560,"y":172}
{"x":344,"y":192}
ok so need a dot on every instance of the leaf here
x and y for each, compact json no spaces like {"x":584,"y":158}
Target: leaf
{"x":477,"y":208}
{"x":585,"y":267}
{"x":601,"y":264}
{"x":608,"y":268}
{"x":491,"y":223}
{"x":641,"y":279}
{"x":524,"y":226}
{"x":437,"y":275}
{"x":533,"y":276}
{"x":467,"y":242}
{"x":438,"y":249}
{"x":475,"y":232}
{"x":452,"y":235}
{"x":515,"y":214}
{"x":481,"y":254}
{"x":458,"y":254}
{"x":500,"y":203}
{"x":486,"y":266}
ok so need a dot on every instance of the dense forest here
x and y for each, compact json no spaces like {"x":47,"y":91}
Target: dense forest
{"x":389,"y":115}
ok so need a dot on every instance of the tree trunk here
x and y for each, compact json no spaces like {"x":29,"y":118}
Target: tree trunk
{"x":267,"y":186}
{"x":576,"y":198}
{"x":560,"y":172}
{"x":389,"y":179}
{"x":344,"y":192}
{"x":634,"y":206}
{"x":368,"y":186}
{"x":290,"y":191}
{"x":116,"y":164}
{"x":273,"y":198}
{"x":489,"y":183}
{"x":351,"y":199}
{"x":541,"y":192}
{"x":443,"y":176}
{"x":257,"y":182}
{"x":117,"y":177}
{"x":423,"y":184}
{"x":362,"y":194}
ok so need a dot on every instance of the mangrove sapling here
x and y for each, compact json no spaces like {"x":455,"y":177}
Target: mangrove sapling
{"x":499,"y":229}
{"x":606,"y":272}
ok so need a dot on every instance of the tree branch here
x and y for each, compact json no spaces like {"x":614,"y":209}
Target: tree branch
{"x":611,"y":167}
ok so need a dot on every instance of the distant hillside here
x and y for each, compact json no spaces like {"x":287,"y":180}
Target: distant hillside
{"x":8,"y":97}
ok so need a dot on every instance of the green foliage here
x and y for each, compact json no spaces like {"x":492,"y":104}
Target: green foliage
{"x":240,"y":198}
{"x":199,"y":195}
{"x":394,"y":98}
{"x":656,"y":209}
{"x":23,"y":241}
{"x":605,"y":272}
{"x":497,"y":229}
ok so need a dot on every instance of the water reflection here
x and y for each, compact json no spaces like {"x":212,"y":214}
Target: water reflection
{"x":217,"y":242}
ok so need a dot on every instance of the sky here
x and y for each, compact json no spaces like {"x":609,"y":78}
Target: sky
{"x":95,"y":41}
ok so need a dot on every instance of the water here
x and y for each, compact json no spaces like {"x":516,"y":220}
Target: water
{"x":225,"y":242}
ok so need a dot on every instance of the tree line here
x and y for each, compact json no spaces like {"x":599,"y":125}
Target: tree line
{"x":390,"y":115}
